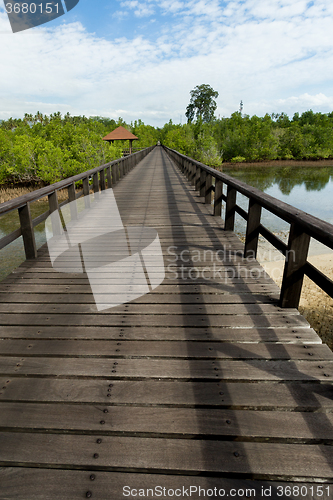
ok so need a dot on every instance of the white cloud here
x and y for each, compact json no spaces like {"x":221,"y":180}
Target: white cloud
{"x":275,"y":56}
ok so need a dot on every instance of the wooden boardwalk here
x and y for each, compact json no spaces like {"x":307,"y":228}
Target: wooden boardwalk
{"x":204,"y":382}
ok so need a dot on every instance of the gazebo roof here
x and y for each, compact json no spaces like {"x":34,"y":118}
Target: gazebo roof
{"x":120,"y":134}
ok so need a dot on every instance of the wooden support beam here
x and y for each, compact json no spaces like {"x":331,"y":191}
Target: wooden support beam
{"x":203,"y":183}
{"x":218,"y":198}
{"x":102,"y":179}
{"x":96,"y":182}
{"x":229,"y":223}
{"x":297,"y":253}
{"x":252,"y":230}
{"x":208,"y":189}
{"x":28,"y":234}
{"x":53,"y":202}
{"x":193,"y":174}
{"x":86,"y":192}
{"x":72,"y":198}
{"x":109,"y":178}
{"x":197,"y":178}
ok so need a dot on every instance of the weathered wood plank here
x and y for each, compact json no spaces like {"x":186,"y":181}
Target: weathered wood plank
{"x":23,"y":483}
{"x":270,"y":426}
{"x":291,"y":396}
{"x":185,"y":350}
{"x":296,"y":335}
{"x":148,"y":309}
{"x":249,"y":370}
{"x":236,"y":321}
{"x":250,"y":460}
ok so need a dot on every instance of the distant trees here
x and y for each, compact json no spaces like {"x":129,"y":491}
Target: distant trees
{"x":202,"y":104}
{"x":49,"y":148}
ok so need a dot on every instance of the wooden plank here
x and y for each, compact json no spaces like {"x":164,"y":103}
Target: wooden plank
{"x":158,"y":349}
{"x":181,"y":287}
{"x":259,"y":396}
{"x":250,"y":460}
{"x":156,"y":298}
{"x":189,"y":423}
{"x":24,"y":483}
{"x":149,"y":309}
{"x":236,"y":321}
{"x":296,"y":335}
{"x":248,"y":370}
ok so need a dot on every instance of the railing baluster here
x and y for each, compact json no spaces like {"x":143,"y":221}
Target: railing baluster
{"x":86,"y":189}
{"x":96,"y":182}
{"x":27,"y":232}
{"x":108,"y":176}
{"x":252,"y":230}
{"x":208,"y":189}
{"x":297,"y":253}
{"x":102,"y":179}
{"x":72,"y":198}
{"x":203,"y":183}
{"x":197,"y":178}
{"x":193,"y":174}
{"x":218,"y":198}
{"x":229,"y":222}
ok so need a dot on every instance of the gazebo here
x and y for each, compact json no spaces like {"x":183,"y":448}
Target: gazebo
{"x":121,"y":134}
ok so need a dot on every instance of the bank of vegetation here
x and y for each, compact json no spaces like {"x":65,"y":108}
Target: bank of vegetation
{"x":44,"y":149}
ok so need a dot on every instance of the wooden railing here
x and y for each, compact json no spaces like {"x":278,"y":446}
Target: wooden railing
{"x":126,"y":151}
{"x":103,"y":177}
{"x":303,"y":226}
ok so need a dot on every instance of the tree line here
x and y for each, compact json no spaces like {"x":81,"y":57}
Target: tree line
{"x":45,"y":149}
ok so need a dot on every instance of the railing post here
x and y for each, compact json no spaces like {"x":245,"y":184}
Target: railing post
{"x":193,"y":173}
{"x":297,"y":253}
{"x":53,"y":202}
{"x":203,"y":183}
{"x":95,"y":182}
{"x":252,"y":230}
{"x":102,"y":179}
{"x":189,"y":171}
{"x":114,"y":174}
{"x":208,"y":189}
{"x":218,"y":198}
{"x":108,"y":176}
{"x":229,"y":222}
{"x":86,"y":192}
{"x":197,"y":178}
{"x":72,"y":197}
{"x":28,"y":234}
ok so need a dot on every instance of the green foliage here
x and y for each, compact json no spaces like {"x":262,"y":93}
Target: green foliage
{"x":47,"y":149}
{"x":202,"y":104}
{"x":50,"y":148}
{"x":238,"y":159}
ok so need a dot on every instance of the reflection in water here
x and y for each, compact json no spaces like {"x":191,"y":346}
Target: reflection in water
{"x":308,"y":188}
{"x":13,"y":255}
{"x":285,"y":178}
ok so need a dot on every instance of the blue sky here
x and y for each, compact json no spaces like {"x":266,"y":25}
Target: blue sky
{"x":140,"y":59}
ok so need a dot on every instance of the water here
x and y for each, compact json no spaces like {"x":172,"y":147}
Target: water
{"x":13,"y":255}
{"x":308,"y":188}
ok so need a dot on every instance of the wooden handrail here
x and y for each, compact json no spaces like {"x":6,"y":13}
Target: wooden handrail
{"x":115,"y":170}
{"x":303,"y":226}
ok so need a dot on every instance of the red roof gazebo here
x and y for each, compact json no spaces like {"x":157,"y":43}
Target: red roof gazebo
{"x":121,"y":134}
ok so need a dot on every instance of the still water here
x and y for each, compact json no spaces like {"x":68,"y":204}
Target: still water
{"x":307,"y":188}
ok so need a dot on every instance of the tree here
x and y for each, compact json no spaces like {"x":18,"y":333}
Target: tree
{"x":202,"y":104}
